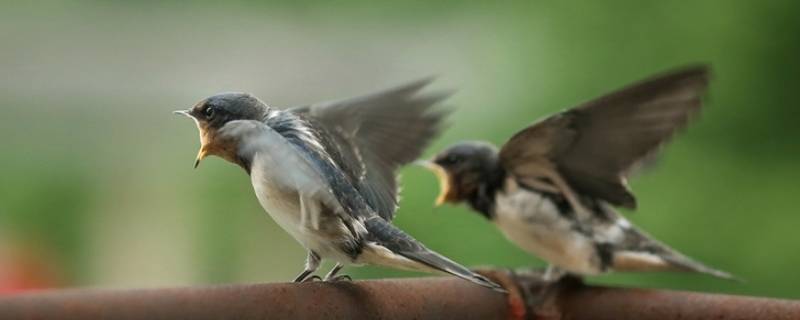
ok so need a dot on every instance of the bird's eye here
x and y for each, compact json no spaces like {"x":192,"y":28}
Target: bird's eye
{"x":209,"y":112}
{"x":453,"y":159}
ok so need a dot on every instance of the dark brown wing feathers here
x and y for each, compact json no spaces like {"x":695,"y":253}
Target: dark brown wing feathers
{"x":594,"y":145}
{"x":373,"y":135}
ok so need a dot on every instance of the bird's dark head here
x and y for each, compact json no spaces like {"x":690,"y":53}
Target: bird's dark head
{"x":461,"y":168}
{"x":212,"y":113}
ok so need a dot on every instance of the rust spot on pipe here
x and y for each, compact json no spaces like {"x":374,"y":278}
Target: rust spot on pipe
{"x":517,"y":306}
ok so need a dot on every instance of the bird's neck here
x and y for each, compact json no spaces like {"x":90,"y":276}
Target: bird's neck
{"x":481,"y":197}
{"x":245,"y":163}
{"x":240,"y":157}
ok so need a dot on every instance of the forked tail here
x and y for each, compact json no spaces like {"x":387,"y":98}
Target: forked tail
{"x":443,"y":264}
{"x":643,"y":253}
{"x":398,"y":243}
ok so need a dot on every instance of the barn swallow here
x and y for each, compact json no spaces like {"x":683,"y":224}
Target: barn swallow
{"x":552,"y":188}
{"x":326,"y":172}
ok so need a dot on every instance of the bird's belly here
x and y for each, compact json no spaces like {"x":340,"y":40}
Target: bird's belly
{"x":284,"y":207}
{"x":533,"y":223}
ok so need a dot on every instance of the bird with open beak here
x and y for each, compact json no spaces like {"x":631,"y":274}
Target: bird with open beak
{"x":551,"y":189}
{"x":326,"y":172}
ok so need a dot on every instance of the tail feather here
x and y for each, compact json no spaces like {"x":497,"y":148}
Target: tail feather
{"x":641,"y":252}
{"x":387,"y":236}
{"x":684,"y":263}
{"x":443,"y":264}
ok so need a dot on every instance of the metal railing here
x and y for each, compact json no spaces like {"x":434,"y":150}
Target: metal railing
{"x":418,"y":298}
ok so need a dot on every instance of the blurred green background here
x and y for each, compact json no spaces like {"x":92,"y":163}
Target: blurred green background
{"x":96,"y":183}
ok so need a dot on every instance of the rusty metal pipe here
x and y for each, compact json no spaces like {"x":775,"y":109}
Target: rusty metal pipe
{"x":421,"y":298}
{"x":617,"y":303}
{"x":570,"y":298}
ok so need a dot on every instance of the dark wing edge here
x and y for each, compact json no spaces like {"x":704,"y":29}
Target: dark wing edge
{"x":596,"y":144}
{"x":371,"y":136}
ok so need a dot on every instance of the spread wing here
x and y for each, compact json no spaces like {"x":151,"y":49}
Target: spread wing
{"x":594,"y":145}
{"x":371,"y":136}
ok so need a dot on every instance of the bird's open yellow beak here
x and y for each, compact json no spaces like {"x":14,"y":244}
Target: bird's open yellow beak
{"x":446,"y":193}
{"x":203,"y":150}
{"x":200,"y":156}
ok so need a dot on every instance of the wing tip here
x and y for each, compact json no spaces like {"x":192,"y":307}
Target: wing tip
{"x":414,"y":86}
{"x":698,"y":71}
{"x":724,"y":275}
{"x":443,"y":264}
{"x":687,"y":264}
{"x":701,"y":268}
{"x":486,"y":283}
{"x":475,"y":278}
{"x":695,"y":68}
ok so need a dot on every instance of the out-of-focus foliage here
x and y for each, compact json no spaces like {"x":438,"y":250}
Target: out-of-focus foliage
{"x":96,"y":178}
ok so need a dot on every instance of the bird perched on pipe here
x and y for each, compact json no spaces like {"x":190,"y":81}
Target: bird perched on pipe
{"x":326,"y":172}
{"x":552,"y":188}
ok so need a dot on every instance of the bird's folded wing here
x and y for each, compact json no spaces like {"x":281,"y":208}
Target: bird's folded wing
{"x":594,"y":145}
{"x":278,"y":160}
{"x":371,"y":136}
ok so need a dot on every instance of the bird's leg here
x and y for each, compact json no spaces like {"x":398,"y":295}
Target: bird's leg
{"x":331,"y":276}
{"x":312,"y":264}
{"x":548,"y":286}
{"x":553,"y":273}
